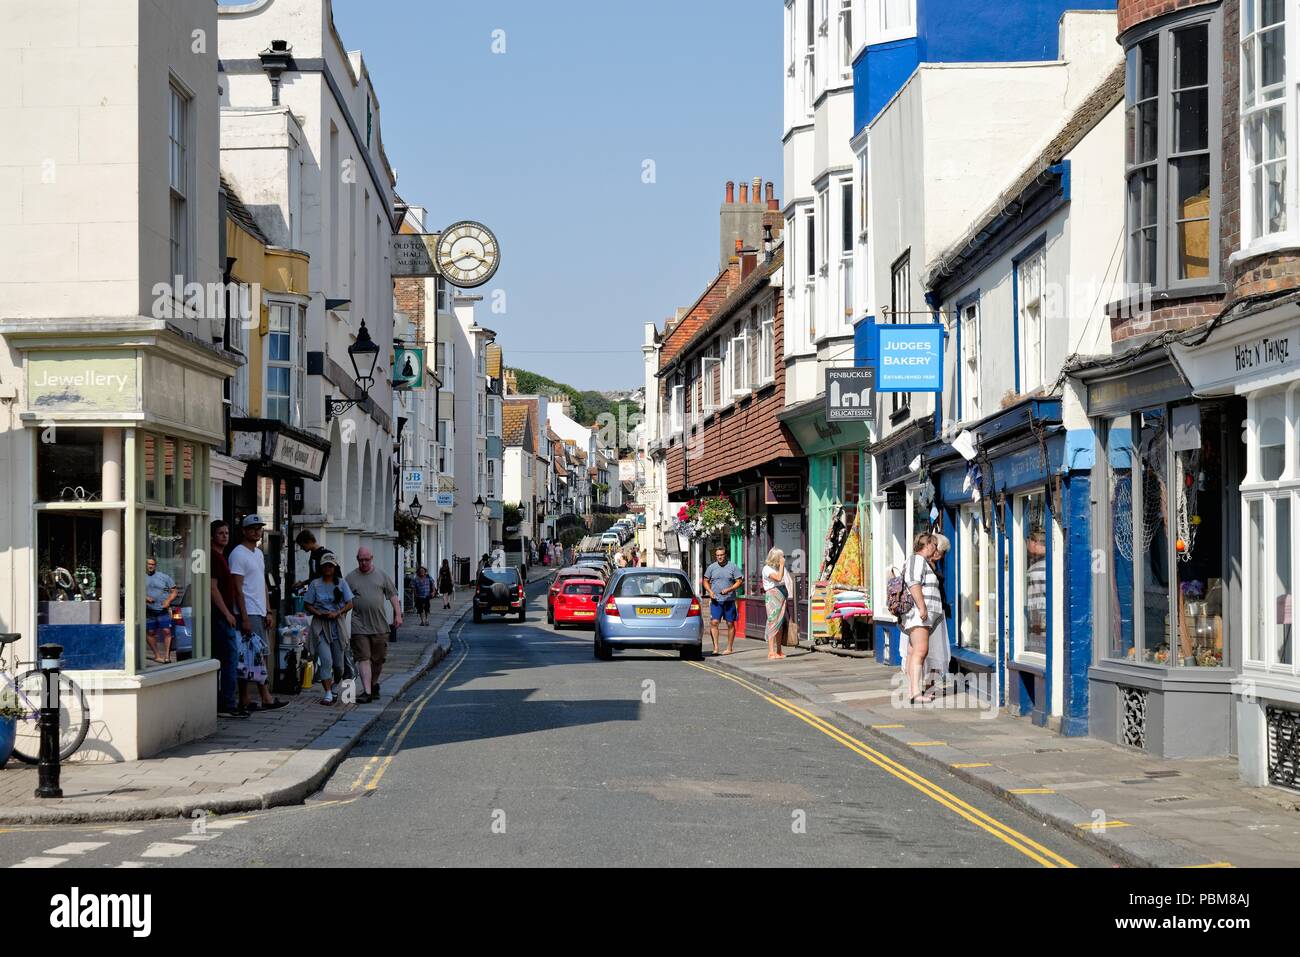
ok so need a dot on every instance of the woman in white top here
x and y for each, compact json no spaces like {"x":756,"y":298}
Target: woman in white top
{"x":774,"y":591}
{"x":926,"y":612}
{"x":938,"y":653}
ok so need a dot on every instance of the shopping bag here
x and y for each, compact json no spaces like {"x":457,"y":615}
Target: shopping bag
{"x":791,"y":638}
{"x":308,"y":674}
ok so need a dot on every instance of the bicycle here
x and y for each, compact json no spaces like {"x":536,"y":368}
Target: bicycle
{"x":27,"y":690}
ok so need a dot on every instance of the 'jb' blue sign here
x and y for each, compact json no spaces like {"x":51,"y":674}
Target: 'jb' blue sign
{"x":909,"y":358}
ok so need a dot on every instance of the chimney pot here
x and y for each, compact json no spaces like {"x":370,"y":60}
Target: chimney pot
{"x":771,"y":195}
{"x":744,"y":192}
{"x":739,"y":245}
{"x":758,"y":189}
{"x":731,"y":192}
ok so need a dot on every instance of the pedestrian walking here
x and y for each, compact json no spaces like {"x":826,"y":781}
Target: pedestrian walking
{"x":248,"y":573}
{"x":371,"y":590}
{"x":620,"y":560}
{"x":722,"y":580}
{"x":225,"y":641}
{"x":776,"y":595}
{"x":423,"y":589}
{"x":445,"y":586}
{"x":328,"y":600}
{"x":924,"y":617}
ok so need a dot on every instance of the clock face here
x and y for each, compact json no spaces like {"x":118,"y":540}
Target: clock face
{"x":468,"y":254}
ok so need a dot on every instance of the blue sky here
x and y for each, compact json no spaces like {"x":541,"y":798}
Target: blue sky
{"x":545,"y":144}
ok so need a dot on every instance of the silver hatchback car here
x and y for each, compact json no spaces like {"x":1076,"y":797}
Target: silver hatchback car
{"x":649,"y":608}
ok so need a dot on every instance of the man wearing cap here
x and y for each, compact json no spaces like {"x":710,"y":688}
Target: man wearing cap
{"x":371,"y":590}
{"x":248,"y":569}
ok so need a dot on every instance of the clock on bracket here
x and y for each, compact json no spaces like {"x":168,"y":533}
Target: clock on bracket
{"x":468,"y":254}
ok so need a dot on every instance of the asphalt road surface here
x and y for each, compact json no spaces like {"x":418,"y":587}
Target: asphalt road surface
{"x":521,"y":749}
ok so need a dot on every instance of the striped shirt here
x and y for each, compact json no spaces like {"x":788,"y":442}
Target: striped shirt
{"x":919,"y":572}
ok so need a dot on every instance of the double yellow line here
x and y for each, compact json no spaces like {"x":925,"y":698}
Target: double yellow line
{"x":378,"y":764}
{"x":1008,"y":835}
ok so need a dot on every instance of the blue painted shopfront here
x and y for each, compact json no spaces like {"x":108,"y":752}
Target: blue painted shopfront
{"x":1024,"y":455}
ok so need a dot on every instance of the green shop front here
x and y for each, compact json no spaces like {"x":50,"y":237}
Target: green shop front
{"x":110,"y":450}
{"x":838,"y":557}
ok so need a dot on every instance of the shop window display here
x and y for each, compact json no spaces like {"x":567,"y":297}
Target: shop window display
{"x":1166,"y":482}
{"x":169,"y":592}
{"x":1035,"y":541}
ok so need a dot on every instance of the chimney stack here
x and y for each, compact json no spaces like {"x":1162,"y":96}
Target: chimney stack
{"x":731,"y":192}
{"x":758,"y":189}
{"x":771,"y":198}
{"x":744,"y":194}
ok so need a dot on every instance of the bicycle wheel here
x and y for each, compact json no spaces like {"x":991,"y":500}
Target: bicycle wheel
{"x":74,"y":718}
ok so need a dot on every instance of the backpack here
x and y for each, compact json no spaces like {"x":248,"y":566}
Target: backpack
{"x":898,"y":597}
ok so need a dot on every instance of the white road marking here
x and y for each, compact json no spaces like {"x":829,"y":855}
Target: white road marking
{"x":137,"y":864}
{"x":124,"y":831}
{"x":40,"y":862}
{"x":197,"y":837}
{"x":222,"y":825}
{"x":164,"y":849}
{"x":77,"y":847}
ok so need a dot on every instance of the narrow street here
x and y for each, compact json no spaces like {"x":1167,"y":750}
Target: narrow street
{"x":521,"y":749}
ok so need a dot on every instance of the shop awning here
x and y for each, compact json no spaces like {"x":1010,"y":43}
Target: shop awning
{"x":1256,"y":350}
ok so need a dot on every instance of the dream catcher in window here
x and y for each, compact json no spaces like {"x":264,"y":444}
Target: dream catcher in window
{"x":1191,"y":484}
{"x":1122,"y":516}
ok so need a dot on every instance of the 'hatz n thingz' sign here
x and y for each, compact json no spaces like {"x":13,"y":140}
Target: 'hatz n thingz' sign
{"x":849,"y":394}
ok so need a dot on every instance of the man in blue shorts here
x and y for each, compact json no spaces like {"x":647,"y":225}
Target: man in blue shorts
{"x":722,"y":580}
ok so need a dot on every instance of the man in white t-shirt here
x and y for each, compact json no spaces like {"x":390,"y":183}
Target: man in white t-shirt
{"x":248,"y":569}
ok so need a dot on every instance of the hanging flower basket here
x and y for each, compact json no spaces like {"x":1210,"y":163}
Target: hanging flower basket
{"x":711,"y":515}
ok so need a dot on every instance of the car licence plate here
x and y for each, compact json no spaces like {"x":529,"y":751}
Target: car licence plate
{"x":653,"y":612}
{"x":583,"y":614}
{"x":500,"y":608}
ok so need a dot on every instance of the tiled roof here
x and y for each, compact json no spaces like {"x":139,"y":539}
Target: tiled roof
{"x":514,"y":423}
{"x":237,"y":211}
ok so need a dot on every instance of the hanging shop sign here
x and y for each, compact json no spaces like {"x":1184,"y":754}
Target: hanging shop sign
{"x":849,"y":395}
{"x":413,"y":254}
{"x":408,"y":368}
{"x":783,"y":490}
{"x":909,"y":358}
{"x":413,"y":480}
{"x":445,"y":500}
{"x":896,"y":500}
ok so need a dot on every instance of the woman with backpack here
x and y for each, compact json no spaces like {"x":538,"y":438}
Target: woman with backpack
{"x":923,"y":616}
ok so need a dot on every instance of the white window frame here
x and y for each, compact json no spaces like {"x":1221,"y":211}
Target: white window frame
{"x":969,"y":317}
{"x":1021,"y":585}
{"x":179,"y":132}
{"x":1279,"y":98}
{"x":900,"y":304}
{"x":1032,"y":318}
{"x":767,"y":341}
{"x":295,"y":363}
{"x":739,"y":350}
{"x":709,"y":366}
{"x":677,"y":423}
{"x":845,"y":38}
{"x":824,"y":231}
{"x":890,"y":20}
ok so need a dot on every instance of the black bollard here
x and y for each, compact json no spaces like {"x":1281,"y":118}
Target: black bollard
{"x":51,"y":663}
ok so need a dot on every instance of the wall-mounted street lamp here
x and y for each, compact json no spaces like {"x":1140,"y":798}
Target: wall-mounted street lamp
{"x":364,"y":354}
{"x":479,"y":507}
{"x":415,"y":508}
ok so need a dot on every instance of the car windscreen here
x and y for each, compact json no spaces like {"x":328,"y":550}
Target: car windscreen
{"x":583,"y":588}
{"x":652,"y":585}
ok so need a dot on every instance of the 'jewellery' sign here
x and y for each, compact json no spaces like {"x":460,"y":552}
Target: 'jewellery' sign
{"x":849,"y":395}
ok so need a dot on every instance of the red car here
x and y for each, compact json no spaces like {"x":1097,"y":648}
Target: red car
{"x":572,"y":573}
{"x":576,"y":602}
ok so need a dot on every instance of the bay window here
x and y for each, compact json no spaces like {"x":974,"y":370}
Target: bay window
{"x":1270,"y":511}
{"x":1173,"y":102}
{"x":1266,"y":102}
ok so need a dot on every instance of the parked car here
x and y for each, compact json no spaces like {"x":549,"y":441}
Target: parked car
{"x":649,"y":608}
{"x":599,"y":565}
{"x":499,"y":592}
{"x":576,"y":602}
{"x":609,"y":539}
{"x":565,"y":575}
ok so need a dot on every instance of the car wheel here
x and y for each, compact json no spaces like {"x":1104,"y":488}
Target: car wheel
{"x":602,"y":652}
{"x":478,"y":616}
{"x":523,"y":614}
{"x":692,"y":654}
{"x":550,"y":615}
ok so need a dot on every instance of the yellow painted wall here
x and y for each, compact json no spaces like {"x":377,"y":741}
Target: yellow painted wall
{"x":278,"y":271}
